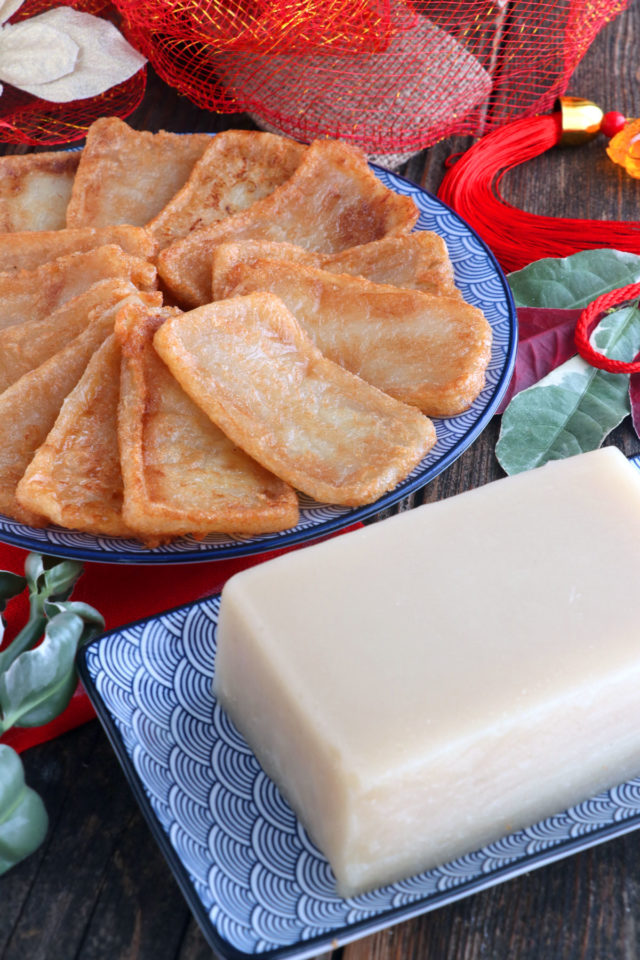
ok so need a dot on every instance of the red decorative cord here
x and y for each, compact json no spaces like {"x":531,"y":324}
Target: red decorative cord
{"x":588,"y":320}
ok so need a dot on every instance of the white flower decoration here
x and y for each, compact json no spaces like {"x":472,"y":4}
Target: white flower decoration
{"x":63,"y":54}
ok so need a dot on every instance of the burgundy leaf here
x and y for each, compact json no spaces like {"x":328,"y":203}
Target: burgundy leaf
{"x":545,"y":340}
{"x":634,"y":398}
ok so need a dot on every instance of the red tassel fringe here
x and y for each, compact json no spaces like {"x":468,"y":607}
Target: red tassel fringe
{"x":472,"y":188}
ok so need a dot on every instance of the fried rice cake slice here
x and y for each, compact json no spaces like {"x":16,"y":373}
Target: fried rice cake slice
{"x":429,"y":351}
{"x":24,"y":346}
{"x":417,"y":261}
{"x":128,"y":176}
{"x":250,"y":366}
{"x":30,"y":407}
{"x":74,"y":479}
{"x":35,"y":190}
{"x":238,"y":168}
{"x":333,"y":201}
{"x":30,"y":249}
{"x":34,"y":294}
{"x":182,"y":474}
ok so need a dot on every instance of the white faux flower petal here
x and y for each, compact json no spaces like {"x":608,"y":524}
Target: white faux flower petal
{"x":8,"y":8}
{"x":34,"y":51}
{"x":104,"y":57}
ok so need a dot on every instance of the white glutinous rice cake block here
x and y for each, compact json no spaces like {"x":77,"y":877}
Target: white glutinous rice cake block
{"x":427,"y":684}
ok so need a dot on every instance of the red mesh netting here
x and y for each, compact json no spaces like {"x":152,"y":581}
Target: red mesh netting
{"x":29,"y":120}
{"x":389,"y":75}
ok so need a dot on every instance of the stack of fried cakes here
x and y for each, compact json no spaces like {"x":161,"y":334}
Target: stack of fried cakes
{"x":194,"y":328}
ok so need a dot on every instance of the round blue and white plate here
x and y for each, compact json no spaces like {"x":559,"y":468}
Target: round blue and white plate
{"x":482,"y":284}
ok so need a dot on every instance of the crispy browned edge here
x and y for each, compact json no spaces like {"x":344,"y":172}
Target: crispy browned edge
{"x":435,"y":400}
{"x":205,"y":188}
{"x":29,"y":249}
{"x":153,"y":521}
{"x":433,"y":275}
{"x":18,"y":342}
{"x":45,"y":283}
{"x":185,"y":265}
{"x":33,"y":493}
{"x":14,"y":167}
{"x":168,"y":344}
{"x":87,"y":186}
{"x":99,"y":326}
{"x":19,"y":397}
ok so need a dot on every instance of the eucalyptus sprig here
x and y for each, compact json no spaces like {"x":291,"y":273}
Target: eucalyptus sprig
{"x":23,"y":817}
{"x":37,"y":680}
{"x":48,"y":579}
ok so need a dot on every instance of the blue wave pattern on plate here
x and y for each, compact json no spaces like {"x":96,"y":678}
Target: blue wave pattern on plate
{"x":260,"y":879}
{"x":481,"y":284}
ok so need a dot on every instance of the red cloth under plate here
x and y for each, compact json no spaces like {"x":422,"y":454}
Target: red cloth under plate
{"x":122,"y":593}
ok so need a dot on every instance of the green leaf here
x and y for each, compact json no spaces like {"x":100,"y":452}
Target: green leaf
{"x":11,"y":584}
{"x":573,"y":282}
{"x":93,"y":620}
{"x":39,"y":683}
{"x":24,"y":640}
{"x":34,"y":569}
{"x":60,"y":579}
{"x":575,"y":407}
{"x":23,"y":818}
{"x":51,"y":576}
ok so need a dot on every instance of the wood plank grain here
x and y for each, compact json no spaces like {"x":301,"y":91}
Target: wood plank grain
{"x":584,"y":908}
{"x":99,"y":886}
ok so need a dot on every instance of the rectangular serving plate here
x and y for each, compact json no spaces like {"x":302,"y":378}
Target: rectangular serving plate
{"x":252,"y":877}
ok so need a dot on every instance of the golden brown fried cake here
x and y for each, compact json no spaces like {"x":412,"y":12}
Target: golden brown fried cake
{"x":29,"y":408}
{"x":428,"y":351}
{"x":34,"y":294}
{"x":333,"y":201}
{"x":74,"y":479}
{"x":225,"y":257}
{"x":181,"y":473}
{"x":127,"y":176}
{"x":26,"y":251}
{"x":35,"y":190}
{"x":252,"y":369}
{"x":238,"y":168}
{"x":417,"y":261}
{"x":24,"y":346}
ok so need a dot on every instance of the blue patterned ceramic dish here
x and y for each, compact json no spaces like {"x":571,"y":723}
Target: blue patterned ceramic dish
{"x":482,"y":284}
{"x":252,"y":877}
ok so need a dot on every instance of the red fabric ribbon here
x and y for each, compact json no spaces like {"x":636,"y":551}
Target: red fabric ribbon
{"x":122,"y":593}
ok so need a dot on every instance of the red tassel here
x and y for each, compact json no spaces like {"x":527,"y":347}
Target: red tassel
{"x":472,"y":188}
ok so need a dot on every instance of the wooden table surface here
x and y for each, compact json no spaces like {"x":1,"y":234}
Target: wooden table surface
{"x":99,"y":889}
